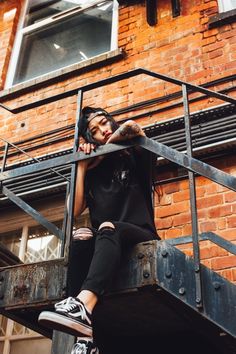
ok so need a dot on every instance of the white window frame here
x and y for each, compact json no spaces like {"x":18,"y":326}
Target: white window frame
{"x":21,"y":31}
{"x":226,"y":5}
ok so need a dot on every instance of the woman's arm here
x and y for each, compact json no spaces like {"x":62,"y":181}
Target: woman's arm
{"x":82,"y":167}
{"x":126,"y":131}
{"x":80,"y":203}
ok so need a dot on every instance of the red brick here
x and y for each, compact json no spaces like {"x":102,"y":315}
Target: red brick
{"x":181,"y":219}
{"x":234,"y":274}
{"x":171,"y":188}
{"x":173,"y":233}
{"x":229,"y":234}
{"x":223,"y":262}
{"x":181,"y":196}
{"x":227,"y":34}
{"x":214,"y":46}
{"x":218,"y":211}
{"x":200,"y":192}
{"x":210,"y":33}
{"x":165,"y":223}
{"x":161,"y":234}
{"x":166,"y":199}
{"x":207,"y":226}
{"x":172,"y":209}
{"x":216,"y":53}
{"x":231,"y":222}
{"x":188,"y":253}
{"x":202,"y":181}
{"x":221,"y":223}
{"x":227,"y":273}
{"x":213,"y":251}
{"x":183,"y":185}
{"x":230,"y":197}
{"x":207,"y":263}
{"x":187,"y":230}
{"x":209,"y":201}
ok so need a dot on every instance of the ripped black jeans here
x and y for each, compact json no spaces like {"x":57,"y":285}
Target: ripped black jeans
{"x":94,"y":262}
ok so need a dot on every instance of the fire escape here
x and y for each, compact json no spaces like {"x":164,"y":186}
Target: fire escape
{"x":179,"y":292}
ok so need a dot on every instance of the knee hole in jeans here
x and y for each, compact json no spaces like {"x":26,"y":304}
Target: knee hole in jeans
{"x":106,"y":226}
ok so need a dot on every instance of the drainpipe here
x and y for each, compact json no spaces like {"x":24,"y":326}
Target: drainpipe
{"x":151,"y":6}
{"x":175,"y":8}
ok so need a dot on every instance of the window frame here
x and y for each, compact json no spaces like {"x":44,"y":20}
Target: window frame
{"x":22,"y":31}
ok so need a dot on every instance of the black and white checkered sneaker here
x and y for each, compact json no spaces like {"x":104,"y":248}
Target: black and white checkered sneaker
{"x":70,"y":317}
{"x":84,"y":346}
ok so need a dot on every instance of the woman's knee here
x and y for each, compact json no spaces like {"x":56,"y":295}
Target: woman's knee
{"x":107,"y":228}
{"x":106,"y":224}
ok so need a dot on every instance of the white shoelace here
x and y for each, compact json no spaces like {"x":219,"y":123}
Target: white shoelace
{"x":67,"y":304}
{"x":70,"y":304}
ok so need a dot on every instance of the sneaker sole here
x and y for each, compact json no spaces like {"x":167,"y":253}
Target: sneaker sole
{"x":64,"y":324}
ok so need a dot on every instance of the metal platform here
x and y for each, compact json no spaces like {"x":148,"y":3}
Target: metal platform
{"x":154,"y":293}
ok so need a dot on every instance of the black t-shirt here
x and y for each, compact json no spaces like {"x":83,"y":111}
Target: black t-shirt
{"x":120,"y":189}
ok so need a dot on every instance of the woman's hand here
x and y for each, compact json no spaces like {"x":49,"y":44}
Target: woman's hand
{"x":87,"y":148}
{"x":126,"y":131}
{"x":92,"y":162}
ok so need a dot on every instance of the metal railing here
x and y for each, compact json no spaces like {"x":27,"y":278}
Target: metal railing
{"x":187,"y":161}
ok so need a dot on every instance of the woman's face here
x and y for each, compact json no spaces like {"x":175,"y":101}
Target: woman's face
{"x":100,"y":128}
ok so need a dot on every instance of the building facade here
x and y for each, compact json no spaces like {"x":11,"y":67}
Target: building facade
{"x":49,"y":48}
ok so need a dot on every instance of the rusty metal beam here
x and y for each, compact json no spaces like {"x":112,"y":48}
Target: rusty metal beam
{"x":32,"y":212}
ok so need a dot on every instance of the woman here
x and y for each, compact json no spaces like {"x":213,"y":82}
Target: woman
{"x":117,"y":189}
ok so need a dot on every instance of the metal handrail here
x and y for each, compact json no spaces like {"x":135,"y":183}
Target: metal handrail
{"x":116,"y":78}
{"x":8,"y":143}
{"x":180,"y":158}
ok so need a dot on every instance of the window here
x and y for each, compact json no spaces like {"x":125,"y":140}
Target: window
{"x":226,"y":5}
{"x":54,"y":34}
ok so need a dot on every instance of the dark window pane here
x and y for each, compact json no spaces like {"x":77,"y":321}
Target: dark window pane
{"x":72,"y":40}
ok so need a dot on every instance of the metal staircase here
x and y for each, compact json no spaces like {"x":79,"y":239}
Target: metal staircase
{"x":162,"y":289}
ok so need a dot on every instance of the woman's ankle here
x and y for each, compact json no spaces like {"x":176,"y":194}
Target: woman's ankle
{"x":89,"y":299}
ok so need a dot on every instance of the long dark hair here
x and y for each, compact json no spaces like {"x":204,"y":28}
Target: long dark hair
{"x":83,"y":123}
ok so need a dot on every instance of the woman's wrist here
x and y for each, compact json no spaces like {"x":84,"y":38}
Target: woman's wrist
{"x":128,"y":130}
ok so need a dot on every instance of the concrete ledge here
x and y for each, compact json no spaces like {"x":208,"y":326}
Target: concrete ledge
{"x":61,"y":74}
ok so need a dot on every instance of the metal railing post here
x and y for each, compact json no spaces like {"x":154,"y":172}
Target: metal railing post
{"x":71,"y":200}
{"x":193,"y":200}
{"x":5,"y":156}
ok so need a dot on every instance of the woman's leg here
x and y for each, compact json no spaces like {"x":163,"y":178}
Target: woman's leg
{"x":81,"y":255}
{"x":73,"y":315}
{"x":111,"y":239}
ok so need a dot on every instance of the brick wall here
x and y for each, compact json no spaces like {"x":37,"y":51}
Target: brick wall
{"x":216,"y":213}
{"x":182,"y":47}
